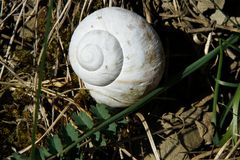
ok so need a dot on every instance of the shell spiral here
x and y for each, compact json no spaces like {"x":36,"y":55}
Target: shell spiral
{"x":118,"y":55}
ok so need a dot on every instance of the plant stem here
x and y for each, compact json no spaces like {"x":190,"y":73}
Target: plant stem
{"x":40,"y":79}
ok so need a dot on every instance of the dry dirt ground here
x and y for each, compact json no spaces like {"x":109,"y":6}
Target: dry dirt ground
{"x":179,"y":119}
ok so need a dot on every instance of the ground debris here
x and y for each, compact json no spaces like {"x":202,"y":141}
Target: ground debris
{"x":196,"y":130}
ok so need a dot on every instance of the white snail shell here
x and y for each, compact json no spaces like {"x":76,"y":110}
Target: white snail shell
{"x":118,"y":55}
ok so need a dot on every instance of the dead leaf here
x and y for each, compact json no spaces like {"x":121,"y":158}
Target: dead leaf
{"x":204,"y":5}
{"x":172,"y":148}
{"x":202,"y":129}
{"x":210,"y":127}
{"x":218,"y":16}
{"x":190,"y":138}
{"x":191,"y":115}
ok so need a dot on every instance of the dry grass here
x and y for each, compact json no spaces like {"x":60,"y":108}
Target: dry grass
{"x":22,"y":29}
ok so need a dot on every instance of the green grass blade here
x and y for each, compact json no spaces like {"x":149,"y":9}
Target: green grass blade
{"x":186,"y":72}
{"x":235,"y":48}
{"x":226,"y":84}
{"x":41,"y":75}
{"x":233,"y":129}
{"x":229,"y":106}
{"x":226,"y":136}
{"x":225,"y":113}
{"x":216,"y":93}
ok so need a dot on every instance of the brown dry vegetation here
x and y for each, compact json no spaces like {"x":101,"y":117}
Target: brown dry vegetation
{"x":188,"y":28}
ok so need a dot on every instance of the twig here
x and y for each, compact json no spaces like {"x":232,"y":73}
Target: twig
{"x":15,"y":41}
{"x":200,"y":30}
{"x":11,"y":70}
{"x":89,"y":5}
{"x":110,"y":3}
{"x":233,"y":149}
{"x":13,"y":10}
{"x":83,"y":10}
{"x":13,"y":35}
{"x":150,"y":138}
{"x":127,"y":153}
{"x":222,"y":149}
{"x":68,"y":4}
{"x":147,"y":12}
{"x":208,"y":43}
{"x":205,"y":154}
{"x":228,"y":28}
{"x":33,"y":12}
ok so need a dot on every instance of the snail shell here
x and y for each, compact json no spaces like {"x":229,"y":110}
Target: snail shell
{"x":118,"y":55}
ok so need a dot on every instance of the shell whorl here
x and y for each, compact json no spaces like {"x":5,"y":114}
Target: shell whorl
{"x":130,"y":59}
{"x":99,"y":58}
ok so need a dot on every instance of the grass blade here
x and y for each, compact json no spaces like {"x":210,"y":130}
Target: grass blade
{"x":41,"y":75}
{"x":236,"y":102}
{"x":216,"y":93}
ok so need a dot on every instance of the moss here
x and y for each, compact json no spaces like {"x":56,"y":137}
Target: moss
{"x":23,"y":60}
{"x":14,"y":127}
{"x":20,"y":97}
{"x":97,"y":4}
{"x":23,"y":135}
